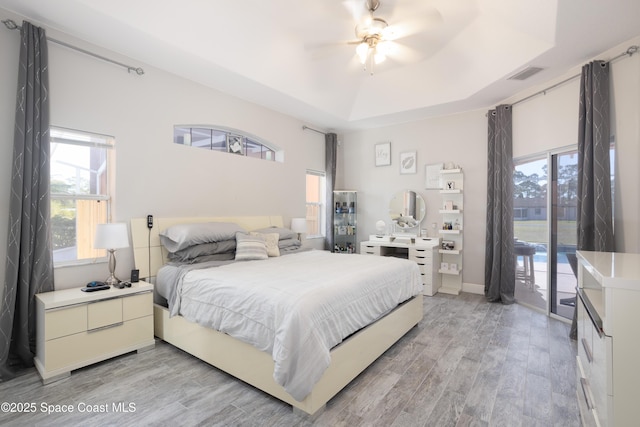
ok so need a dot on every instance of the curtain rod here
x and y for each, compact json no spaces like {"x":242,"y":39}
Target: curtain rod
{"x":630,"y":51}
{"x":304,"y":127}
{"x":11,"y":25}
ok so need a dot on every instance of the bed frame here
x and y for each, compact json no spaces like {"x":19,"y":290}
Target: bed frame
{"x":244,"y":361}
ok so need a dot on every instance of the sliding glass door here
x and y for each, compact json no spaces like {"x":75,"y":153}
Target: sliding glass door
{"x":564,"y":210}
{"x":545,"y":200}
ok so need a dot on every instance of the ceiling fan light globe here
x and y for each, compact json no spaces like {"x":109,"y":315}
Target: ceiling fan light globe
{"x":362,"y":51}
{"x":379,"y":57}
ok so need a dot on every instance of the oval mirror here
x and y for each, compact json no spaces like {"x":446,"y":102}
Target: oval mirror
{"x":407,"y":208}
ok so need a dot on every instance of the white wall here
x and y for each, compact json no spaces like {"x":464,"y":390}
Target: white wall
{"x":154,"y":175}
{"x":460,"y":138}
{"x":542,"y":123}
{"x":550,"y":121}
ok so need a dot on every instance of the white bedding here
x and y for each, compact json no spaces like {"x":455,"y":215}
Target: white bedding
{"x":296,"y":307}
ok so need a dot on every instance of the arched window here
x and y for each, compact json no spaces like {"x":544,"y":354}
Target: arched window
{"x":226,"y":140}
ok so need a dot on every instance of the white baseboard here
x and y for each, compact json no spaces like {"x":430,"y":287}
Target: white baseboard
{"x":473,"y":288}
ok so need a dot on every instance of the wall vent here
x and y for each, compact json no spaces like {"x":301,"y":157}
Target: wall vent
{"x":526,"y":73}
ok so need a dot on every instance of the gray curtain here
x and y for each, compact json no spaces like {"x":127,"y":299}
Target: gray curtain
{"x":499,"y":269}
{"x":595,"y":211}
{"x":595,"y":220}
{"x":29,"y":265}
{"x":331,"y":151}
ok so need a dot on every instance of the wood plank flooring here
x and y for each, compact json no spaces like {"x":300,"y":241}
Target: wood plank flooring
{"x":468,"y":363}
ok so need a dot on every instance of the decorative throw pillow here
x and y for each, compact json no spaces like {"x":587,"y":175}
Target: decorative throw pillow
{"x":250,"y":247}
{"x":271,"y":242}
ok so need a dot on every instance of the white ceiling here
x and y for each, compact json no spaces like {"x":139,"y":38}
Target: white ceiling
{"x":292,"y":56}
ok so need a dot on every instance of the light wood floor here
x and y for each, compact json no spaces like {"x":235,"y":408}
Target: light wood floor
{"x":468,"y":363}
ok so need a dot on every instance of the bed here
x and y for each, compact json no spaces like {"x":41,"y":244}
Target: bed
{"x":245,"y":360}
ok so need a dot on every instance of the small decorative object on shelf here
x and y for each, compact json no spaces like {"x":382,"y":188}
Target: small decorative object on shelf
{"x":448,"y":245}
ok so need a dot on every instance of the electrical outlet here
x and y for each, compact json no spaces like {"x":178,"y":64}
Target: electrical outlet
{"x":149,"y":221}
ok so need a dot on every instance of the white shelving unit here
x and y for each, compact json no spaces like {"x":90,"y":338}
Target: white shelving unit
{"x":451,"y":230}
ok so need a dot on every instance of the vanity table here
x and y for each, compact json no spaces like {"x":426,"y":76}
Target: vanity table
{"x":421,"y":250}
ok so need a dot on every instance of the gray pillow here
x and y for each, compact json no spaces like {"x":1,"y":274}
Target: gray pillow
{"x":182,"y":236}
{"x":203,"y":249}
{"x":284,"y":233}
{"x":289,"y":243}
{"x":250,"y":247}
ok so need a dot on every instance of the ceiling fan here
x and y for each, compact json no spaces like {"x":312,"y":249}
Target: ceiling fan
{"x":374,"y":38}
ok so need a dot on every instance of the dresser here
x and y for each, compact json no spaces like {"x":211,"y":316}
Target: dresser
{"x":76,"y":328}
{"x":608,"y":316}
{"x":421,"y":250}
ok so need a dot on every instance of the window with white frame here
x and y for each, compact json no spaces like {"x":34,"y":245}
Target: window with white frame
{"x":226,"y":141}
{"x":80,"y":192}
{"x":315,"y":202}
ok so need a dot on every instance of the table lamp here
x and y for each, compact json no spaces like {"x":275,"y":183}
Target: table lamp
{"x":299,"y":225}
{"x":111,"y":236}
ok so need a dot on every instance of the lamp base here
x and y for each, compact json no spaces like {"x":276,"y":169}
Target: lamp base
{"x":112,"y":281}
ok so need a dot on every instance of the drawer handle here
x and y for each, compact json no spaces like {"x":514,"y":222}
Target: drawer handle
{"x":113,"y":325}
{"x":587,"y":350}
{"x":586,"y":390}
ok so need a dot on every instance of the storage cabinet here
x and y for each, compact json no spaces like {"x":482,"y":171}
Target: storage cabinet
{"x":608,"y":312}
{"x":76,"y":328}
{"x":423,"y":251}
{"x":451,"y":230}
{"x":345,"y":221}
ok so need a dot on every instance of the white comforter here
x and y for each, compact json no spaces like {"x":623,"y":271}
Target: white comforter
{"x":297,"y":307}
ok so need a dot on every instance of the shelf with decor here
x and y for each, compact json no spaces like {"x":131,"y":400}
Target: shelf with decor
{"x":451,"y":230}
{"x":345,"y":221}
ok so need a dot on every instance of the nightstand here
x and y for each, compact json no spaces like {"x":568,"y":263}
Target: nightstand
{"x":76,"y":328}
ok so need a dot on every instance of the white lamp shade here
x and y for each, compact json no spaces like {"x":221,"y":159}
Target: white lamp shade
{"x":299,"y":225}
{"x":111,"y":236}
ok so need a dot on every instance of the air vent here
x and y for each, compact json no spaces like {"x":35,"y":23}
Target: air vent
{"x":526,"y":73}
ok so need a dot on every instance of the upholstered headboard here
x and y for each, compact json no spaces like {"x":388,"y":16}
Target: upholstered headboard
{"x":146,"y":242}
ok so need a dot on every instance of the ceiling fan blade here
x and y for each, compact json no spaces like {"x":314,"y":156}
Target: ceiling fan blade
{"x":403,"y":54}
{"x":357,"y":9}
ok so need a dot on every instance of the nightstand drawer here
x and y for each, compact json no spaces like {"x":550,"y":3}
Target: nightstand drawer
{"x":104,"y":313}
{"x":65,"y":321}
{"x":92,"y":346}
{"x":137,"y":306}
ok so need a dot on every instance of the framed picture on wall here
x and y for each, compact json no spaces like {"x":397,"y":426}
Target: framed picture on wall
{"x":383,"y":154}
{"x":432,"y":176}
{"x":234,"y":144}
{"x":408,"y":161}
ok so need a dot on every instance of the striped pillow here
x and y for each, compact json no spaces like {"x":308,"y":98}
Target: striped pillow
{"x":250,"y":247}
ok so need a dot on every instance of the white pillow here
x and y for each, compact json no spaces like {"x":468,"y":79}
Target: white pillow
{"x":271,"y":242}
{"x":250,"y":247}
